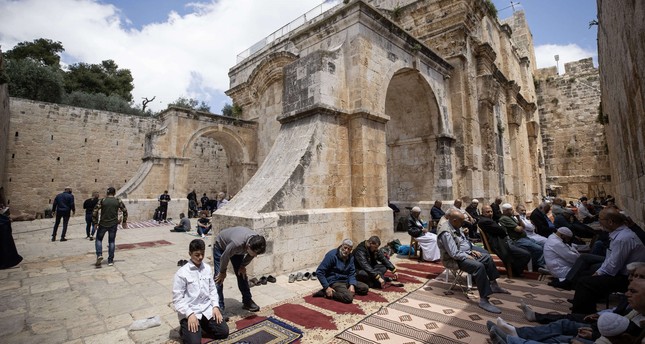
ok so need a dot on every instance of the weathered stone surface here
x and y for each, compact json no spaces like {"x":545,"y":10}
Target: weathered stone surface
{"x":621,"y":53}
{"x":574,"y":145}
{"x":4,"y":133}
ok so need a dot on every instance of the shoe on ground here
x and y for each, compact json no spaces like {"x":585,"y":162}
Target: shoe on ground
{"x":263,"y":280}
{"x":53,"y":239}
{"x":91,"y":238}
{"x":292,"y":278}
{"x":313,"y":276}
{"x":110,"y":263}
{"x":306,"y":276}
{"x":299,"y":276}
{"x":63,"y":239}
{"x":271,"y":279}
{"x":488,"y":307}
{"x":88,"y":238}
{"x":251,"y":306}
{"x":253,"y":282}
{"x":99,"y":259}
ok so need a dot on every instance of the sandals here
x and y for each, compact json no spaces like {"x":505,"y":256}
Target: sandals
{"x":262,"y":281}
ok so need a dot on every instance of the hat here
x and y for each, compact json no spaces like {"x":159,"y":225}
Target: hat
{"x":348,"y":242}
{"x":416,"y":210}
{"x":611,"y":324}
{"x":475,"y":200}
{"x":506,"y":206}
{"x":566,"y":231}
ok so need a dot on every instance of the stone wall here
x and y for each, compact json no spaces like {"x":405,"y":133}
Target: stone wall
{"x":574,"y":145}
{"x":4,"y":133}
{"x":208,"y":171}
{"x":621,"y":55}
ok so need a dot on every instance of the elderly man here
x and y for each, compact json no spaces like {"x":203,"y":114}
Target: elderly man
{"x":529,"y":227}
{"x":558,"y":253}
{"x":497,"y":212}
{"x":584,"y":215}
{"x":458,"y":251}
{"x":567,"y":218}
{"x":415,"y":224}
{"x":501,"y":245}
{"x":472,"y":209}
{"x":337,"y":275}
{"x":516,"y":232}
{"x":371,"y":264}
{"x":624,"y":248}
{"x":469,"y":221}
{"x":436,"y":213}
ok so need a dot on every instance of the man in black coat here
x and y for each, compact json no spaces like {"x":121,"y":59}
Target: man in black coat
{"x":543,"y":224}
{"x":501,"y":245}
{"x":371,"y":264}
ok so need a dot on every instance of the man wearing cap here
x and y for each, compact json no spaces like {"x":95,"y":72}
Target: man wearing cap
{"x":107,"y":210}
{"x":558,"y":253}
{"x":63,"y":205}
{"x":337,"y":275}
{"x":458,"y":251}
{"x":516,"y":232}
{"x":472,"y":209}
{"x":415,"y":224}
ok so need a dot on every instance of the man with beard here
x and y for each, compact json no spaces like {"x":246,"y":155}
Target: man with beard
{"x":337,"y":275}
{"x":501,"y":245}
{"x":371,"y":264}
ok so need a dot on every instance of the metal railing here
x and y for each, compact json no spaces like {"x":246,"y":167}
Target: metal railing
{"x":303,"y":19}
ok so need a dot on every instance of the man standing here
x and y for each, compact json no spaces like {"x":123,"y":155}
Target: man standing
{"x":337,"y":275}
{"x":204,"y":200}
{"x":237,"y":245}
{"x":62,"y":206}
{"x":371,"y":264}
{"x":457,"y":251}
{"x":163,"y":205}
{"x":89,"y":205}
{"x":108,"y":209}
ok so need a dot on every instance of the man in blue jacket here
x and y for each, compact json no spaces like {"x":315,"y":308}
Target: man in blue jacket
{"x":337,"y":275}
{"x":63,"y":205}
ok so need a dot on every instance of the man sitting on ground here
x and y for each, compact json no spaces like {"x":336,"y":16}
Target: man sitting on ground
{"x":184,"y":224}
{"x":458,"y":252}
{"x":516,"y":232}
{"x":337,"y":275}
{"x":203,"y":224}
{"x":371,"y":264}
{"x":501,"y":245}
{"x":195,"y":298}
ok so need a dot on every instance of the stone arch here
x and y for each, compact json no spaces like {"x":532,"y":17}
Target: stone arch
{"x":237,"y":153}
{"x":268,"y":71}
{"x":411,"y":137}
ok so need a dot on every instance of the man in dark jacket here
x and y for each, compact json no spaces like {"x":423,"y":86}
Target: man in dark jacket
{"x":371,"y":264}
{"x":89,"y":205}
{"x":337,"y":275}
{"x":63,"y":205}
{"x":415,"y":224}
{"x":497,"y":212}
{"x":436,"y":213}
{"x":501,"y":245}
{"x":543,"y":224}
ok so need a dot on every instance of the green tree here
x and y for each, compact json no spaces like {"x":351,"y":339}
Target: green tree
{"x":32,"y":80}
{"x":191,"y":103}
{"x":42,"y":50}
{"x":231,"y":110}
{"x":100,"y":101}
{"x":105,"y":78}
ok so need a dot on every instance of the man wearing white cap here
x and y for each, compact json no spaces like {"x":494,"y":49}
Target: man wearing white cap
{"x":415,"y":224}
{"x":558,"y":253}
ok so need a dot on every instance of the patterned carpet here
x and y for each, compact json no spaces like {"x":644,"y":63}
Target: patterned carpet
{"x":432,"y":314}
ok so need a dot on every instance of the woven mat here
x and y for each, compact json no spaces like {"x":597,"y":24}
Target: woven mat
{"x":267,"y":331}
{"x":431,"y":314}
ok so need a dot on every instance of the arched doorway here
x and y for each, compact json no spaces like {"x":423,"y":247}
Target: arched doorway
{"x":411,"y":138}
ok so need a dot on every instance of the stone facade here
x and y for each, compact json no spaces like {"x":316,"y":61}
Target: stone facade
{"x":4,"y":133}
{"x":621,"y":55}
{"x":574,"y":146}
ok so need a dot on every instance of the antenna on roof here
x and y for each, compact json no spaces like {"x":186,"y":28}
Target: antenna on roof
{"x":511,"y":6}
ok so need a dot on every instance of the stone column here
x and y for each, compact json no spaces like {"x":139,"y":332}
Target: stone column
{"x":443,"y":166}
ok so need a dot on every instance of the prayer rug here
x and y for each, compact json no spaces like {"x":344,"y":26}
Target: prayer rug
{"x":145,"y":244}
{"x":269,"y":331}
{"x":432,"y":314}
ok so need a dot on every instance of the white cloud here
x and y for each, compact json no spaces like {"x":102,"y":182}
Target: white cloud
{"x":545,"y":55}
{"x":186,"y":55}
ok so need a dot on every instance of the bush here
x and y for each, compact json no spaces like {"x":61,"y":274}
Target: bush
{"x":100,"y":101}
{"x":31,"y":80}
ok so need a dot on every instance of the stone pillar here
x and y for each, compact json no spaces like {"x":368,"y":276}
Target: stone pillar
{"x":368,"y":160}
{"x":443,"y":164}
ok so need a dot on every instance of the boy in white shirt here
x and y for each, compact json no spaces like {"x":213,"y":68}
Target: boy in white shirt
{"x":195,"y":298}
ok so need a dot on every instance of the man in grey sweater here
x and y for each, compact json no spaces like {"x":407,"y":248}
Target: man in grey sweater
{"x":237,"y":245}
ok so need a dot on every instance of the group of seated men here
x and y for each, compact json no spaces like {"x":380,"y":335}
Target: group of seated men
{"x":517,"y":240}
{"x":204,"y":224}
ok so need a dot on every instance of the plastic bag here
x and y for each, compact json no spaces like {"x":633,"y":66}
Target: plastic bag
{"x":143,"y":324}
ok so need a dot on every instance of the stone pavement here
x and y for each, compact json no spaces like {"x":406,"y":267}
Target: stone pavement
{"x":56,"y":295}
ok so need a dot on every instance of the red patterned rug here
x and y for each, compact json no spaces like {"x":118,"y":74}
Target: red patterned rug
{"x":145,"y":244}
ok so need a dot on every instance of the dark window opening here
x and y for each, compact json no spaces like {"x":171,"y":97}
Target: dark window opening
{"x":16,"y":134}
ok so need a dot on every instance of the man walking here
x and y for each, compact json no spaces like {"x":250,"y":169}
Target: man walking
{"x":89,"y":205}
{"x":108,"y":208}
{"x":62,"y":206}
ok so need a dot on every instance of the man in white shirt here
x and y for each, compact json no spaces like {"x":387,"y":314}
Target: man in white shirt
{"x":195,"y":298}
{"x":529,"y":227}
{"x":558,"y":253}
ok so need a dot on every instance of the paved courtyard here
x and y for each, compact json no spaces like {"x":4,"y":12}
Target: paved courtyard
{"x":57,"y":295}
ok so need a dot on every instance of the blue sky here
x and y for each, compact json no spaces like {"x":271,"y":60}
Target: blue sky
{"x":179,"y":48}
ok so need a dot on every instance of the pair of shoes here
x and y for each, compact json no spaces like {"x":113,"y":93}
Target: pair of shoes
{"x":251,"y":306}
{"x":99,"y":259}
{"x":306,"y":276}
{"x":63,"y":239}
{"x":253,"y":282}
{"x":292,"y":278}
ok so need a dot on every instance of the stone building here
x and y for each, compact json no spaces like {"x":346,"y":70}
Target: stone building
{"x":621,"y":55}
{"x":4,"y":129}
{"x":576,"y":160}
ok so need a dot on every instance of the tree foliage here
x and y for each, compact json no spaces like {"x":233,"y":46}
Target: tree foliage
{"x":100,"y":101}
{"x":191,"y":103}
{"x":32,"y":80}
{"x":232,"y":110}
{"x":42,"y":50}
{"x":105,"y":78}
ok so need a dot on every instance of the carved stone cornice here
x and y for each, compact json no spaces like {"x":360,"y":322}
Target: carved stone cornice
{"x":487,"y":89}
{"x":486,"y":56}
